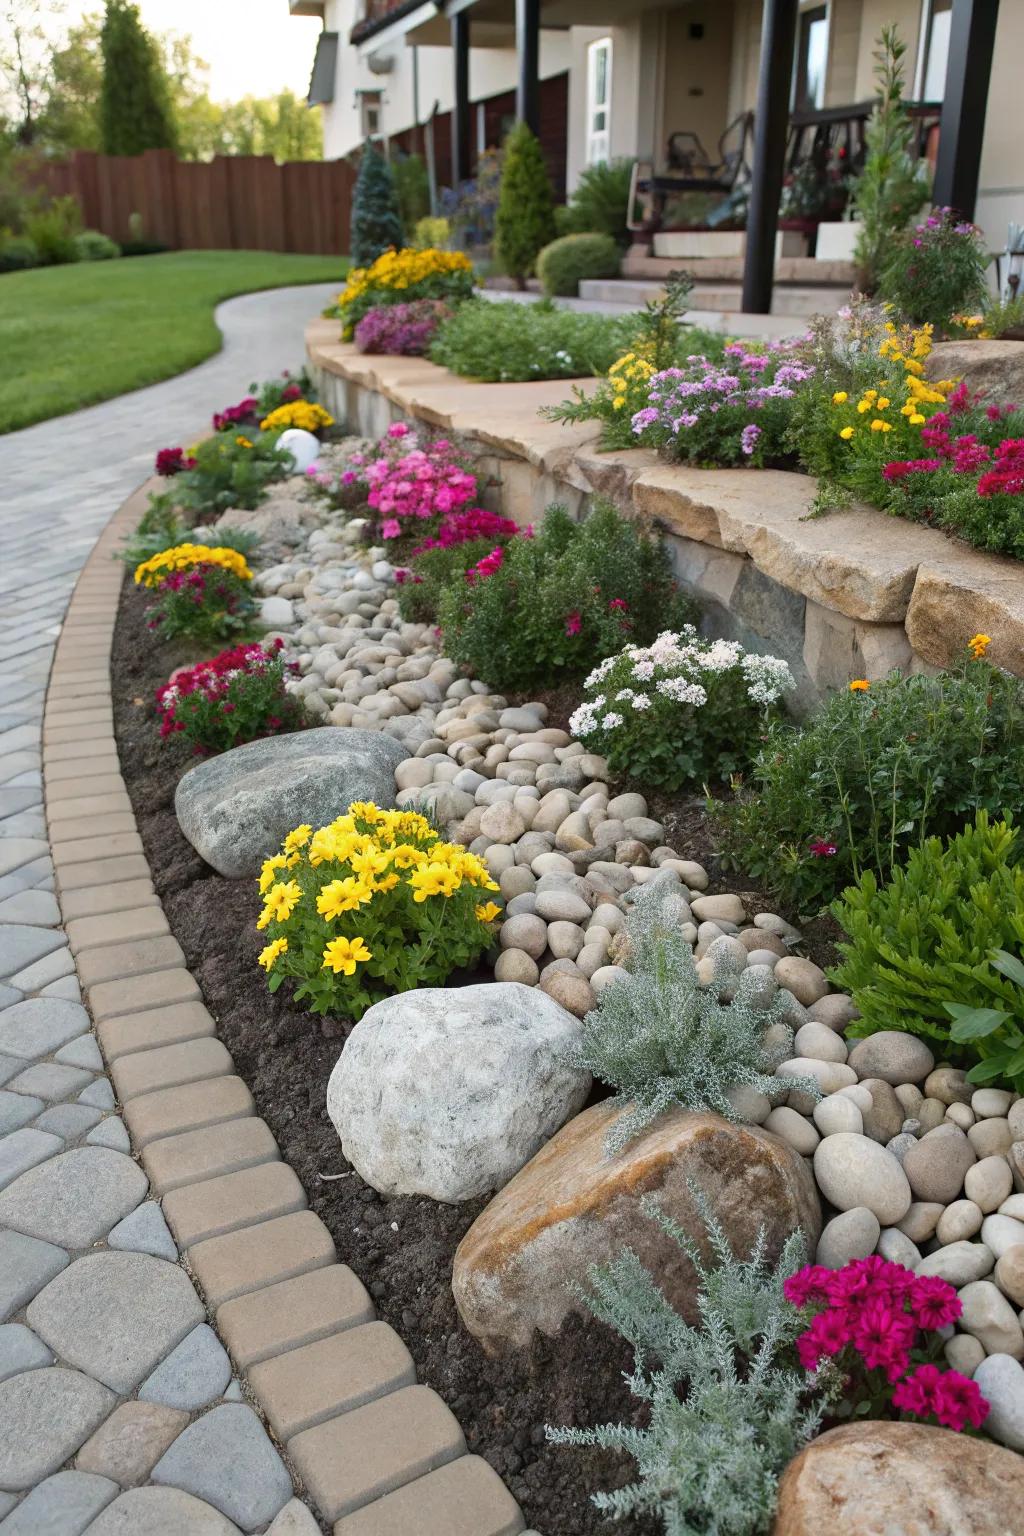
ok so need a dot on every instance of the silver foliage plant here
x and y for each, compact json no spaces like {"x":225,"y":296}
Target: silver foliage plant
{"x":659,"y":1039}
{"x":728,"y":1407}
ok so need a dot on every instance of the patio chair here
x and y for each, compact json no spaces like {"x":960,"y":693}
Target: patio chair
{"x":689,"y":168}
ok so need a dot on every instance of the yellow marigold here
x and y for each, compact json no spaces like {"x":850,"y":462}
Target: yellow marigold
{"x":846,"y":433}
{"x":298,"y":413}
{"x":917,"y":420}
{"x":863,"y":405}
{"x":978,"y":645}
{"x":840,"y":397}
{"x":270,"y":954}
{"x":282,"y":900}
{"x":487,"y":912}
{"x":299,"y":838}
{"x":243,"y":442}
{"x":433,"y":880}
{"x":268,"y":874}
{"x":859,"y":685}
{"x":882,"y":403}
{"x":342,"y":896}
{"x":878,"y":425}
{"x":183,"y":556}
{"x":343,"y":955}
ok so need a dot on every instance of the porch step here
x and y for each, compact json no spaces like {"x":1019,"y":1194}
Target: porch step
{"x":720,"y":298}
{"x":804,"y":270}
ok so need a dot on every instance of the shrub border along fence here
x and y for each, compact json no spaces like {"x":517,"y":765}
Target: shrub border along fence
{"x":852,"y":594}
{"x":232,"y":202}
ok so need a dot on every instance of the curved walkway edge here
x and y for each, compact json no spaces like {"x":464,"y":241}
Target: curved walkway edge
{"x":377,"y":1454}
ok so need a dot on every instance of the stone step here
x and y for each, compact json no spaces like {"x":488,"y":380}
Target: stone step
{"x":719,"y":297}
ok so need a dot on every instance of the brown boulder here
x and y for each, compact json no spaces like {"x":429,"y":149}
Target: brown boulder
{"x":882,"y":1479}
{"x":993,"y":368}
{"x":572,"y":1206}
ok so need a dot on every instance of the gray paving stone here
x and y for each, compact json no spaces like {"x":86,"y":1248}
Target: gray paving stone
{"x":20,"y":945}
{"x":25,"y":824}
{"x":116,"y":1315}
{"x":233,"y":1391}
{"x":44,"y":1418}
{"x":7,"y":1503}
{"x":127,"y":1446}
{"x":144,"y":1231}
{"x":294,"y":1520}
{"x":9,"y":995}
{"x":18,"y":851}
{"x":23,"y":1150}
{"x":161,"y":1512}
{"x":50,"y":1081}
{"x":83,"y":1052}
{"x":43,"y":973}
{"x":21,"y":1350}
{"x":99,"y":1094}
{"x":110,"y":1133}
{"x":10,"y":1066}
{"x":227,"y":1459}
{"x":34,"y":1028}
{"x":67,"y":988}
{"x":75,"y":1198}
{"x":26,"y":1264}
{"x":64,"y":1505}
{"x":193,"y":1375}
{"x":16,"y":1110}
{"x":68,"y":1120}
{"x":37,"y":907}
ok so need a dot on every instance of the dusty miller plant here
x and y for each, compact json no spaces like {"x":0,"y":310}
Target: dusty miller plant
{"x":727,"y":1405}
{"x":660,"y":1039}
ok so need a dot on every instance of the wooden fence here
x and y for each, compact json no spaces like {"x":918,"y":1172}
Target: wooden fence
{"x":238,"y":202}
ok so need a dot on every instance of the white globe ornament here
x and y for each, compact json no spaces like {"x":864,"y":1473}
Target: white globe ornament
{"x":301,"y":446}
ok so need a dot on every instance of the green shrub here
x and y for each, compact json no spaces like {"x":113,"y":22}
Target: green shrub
{"x":890,"y":188}
{"x":549,"y":606}
{"x":600,"y":201}
{"x":525,"y":221}
{"x":433,"y":571}
{"x":994,"y":1031}
{"x":725,"y":1407}
{"x":53,"y":231}
{"x":936,"y":270}
{"x":498,"y":341}
{"x":90,"y":245}
{"x":562,"y":265}
{"x":376,"y":219}
{"x":660,"y":1039}
{"x":412,"y":192}
{"x":431,"y":232}
{"x":874,"y":773}
{"x":18,"y":253}
{"x":923,"y":940}
{"x":227,"y":473}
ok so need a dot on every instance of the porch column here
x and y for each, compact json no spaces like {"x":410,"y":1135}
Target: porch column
{"x":528,"y":56}
{"x":771,"y":123}
{"x":962,"y":126}
{"x":461,"y":124}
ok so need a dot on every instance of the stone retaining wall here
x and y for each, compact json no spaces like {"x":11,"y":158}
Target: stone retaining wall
{"x":851,"y":594}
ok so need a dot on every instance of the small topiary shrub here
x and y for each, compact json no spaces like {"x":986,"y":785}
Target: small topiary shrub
{"x":659,"y":1039}
{"x":923,"y":940}
{"x":91,"y":245}
{"x":18,"y":253}
{"x":525,"y":221}
{"x":725,"y":1408}
{"x":545,"y":606}
{"x":562,"y":265}
{"x":376,"y":218}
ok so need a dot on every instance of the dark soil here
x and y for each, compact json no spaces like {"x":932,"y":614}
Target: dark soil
{"x":401,"y":1248}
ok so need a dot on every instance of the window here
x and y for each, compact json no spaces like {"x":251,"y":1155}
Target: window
{"x":370,"y":113}
{"x":599,"y":100}
{"x":936,"y":20}
{"x":811,"y":59}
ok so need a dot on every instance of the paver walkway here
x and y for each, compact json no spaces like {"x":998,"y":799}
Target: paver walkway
{"x":105,"y":1352}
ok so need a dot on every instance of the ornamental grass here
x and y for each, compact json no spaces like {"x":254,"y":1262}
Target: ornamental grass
{"x":372,"y":904}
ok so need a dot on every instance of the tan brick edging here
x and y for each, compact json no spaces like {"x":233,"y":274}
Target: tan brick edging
{"x":378,"y":1454}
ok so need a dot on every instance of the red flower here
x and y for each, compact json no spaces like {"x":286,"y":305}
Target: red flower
{"x":820,"y":849}
{"x":572,"y":624}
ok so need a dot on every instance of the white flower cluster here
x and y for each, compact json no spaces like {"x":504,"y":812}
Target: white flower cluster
{"x":679,"y":665}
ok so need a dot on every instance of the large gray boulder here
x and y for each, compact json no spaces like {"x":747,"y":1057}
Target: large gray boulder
{"x":448,"y":1091}
{"x":236,"y":808}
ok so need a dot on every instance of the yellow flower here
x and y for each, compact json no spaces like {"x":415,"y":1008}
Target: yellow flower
{"x":859,"y":685}
{"x":878,"y":425}
{"x":618,"y":402}
{"x":343,"y":955}
{"x":365,"y":810}
{"x":269,"y":955}
{"x":882,"y":403}
{"x":299,"y":413}
{"x":369,"y":861}
{"x":840,"y":397}
{"x":487,"y":912}
{"x":283,"y":899}
{"x":243,"y":442}
{"x":433,"y":880}
{"x":299,"y":838}
{"x":917,"y":420}
{"x":846,"y":433}
{"x":264,"y":918}
{"x":342,"y":896}
{"x":871,"y":394}
{"x":978,"y":645}
{"x":405,"y":856}
{"x":182,"y":557}
{"x":268,"y":873}
{"x":863,"y":405}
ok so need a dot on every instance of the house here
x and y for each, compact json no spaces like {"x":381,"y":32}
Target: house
{"x":679,"y":85}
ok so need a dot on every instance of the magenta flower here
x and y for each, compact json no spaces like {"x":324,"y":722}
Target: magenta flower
{"x":572,"y":624}
{"x":820,"y":849}
{"x":934,"y":1302}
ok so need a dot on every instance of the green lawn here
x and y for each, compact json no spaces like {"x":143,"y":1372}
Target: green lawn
{"x":70,"y":336}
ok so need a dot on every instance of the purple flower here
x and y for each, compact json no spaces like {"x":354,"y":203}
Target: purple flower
{"x":749,"y":436}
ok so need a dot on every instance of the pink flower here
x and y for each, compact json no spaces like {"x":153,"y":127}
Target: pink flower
{"x":808,"y":1284}
{"x":953,"y":1399}
{"x":572,"y":624}
{"x":933,"y":1302}
{"x":820,"y":849}
{"x":884,"y":1338}
{"x":618,"y":605}
{"x":398,"y":429}
{"x":391,"y":529}
{"x":828,"y":1334}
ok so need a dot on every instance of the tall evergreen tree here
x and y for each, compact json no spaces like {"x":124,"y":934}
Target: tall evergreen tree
{"x":135,"y":108}
{"x":525,"y":221}
{"x":376,"y":219}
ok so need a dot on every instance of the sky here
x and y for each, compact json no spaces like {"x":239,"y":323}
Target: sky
{"x":253,"y":47}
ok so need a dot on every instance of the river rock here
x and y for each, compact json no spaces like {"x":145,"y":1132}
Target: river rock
{"x":989,"y":1317}
{"x":1001,"y":1380}
{"x":573,"y":1206}
{"x":958,"y":1263}
{"x":891,"y":1479}
{"x":447,"y":1092}
{"x":936,"y":1164}
{"x":894,"y":1056}
{"x":852,"y":1234}
{"x":236,"y":808}
{"x":854,"y":1171}
{"x":1010,"y":1274}
{"x":884,"y":1118}
{"x":988,"y":1183}
{"x":1001,"y":1233}
{"x":807,"y":981}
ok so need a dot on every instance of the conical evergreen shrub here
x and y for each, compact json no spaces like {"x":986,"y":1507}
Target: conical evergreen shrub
{"x":376,"y":220}
{"x":525,"y":221}
{"x":135,"y":107}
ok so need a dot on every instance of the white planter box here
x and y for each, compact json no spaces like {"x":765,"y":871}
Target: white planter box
{"x":836,"y":241}
{"x":695,"y":243}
